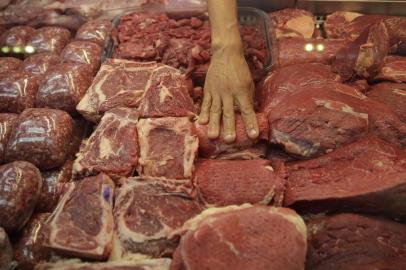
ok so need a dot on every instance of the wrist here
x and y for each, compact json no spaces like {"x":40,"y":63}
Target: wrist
{"x":229,"y":40}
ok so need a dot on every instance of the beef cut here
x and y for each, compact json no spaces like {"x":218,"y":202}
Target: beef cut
{"x":292,"y":22}
{"x":82,"y":223}
{"x":355,"y":242}
{"x":50,"y":39}
{"x":82,"y":129}
{"x":20,"y":186}
{"x":394,"y":69}
{"x":112,"y":148}
{"x":235,"y":182}
{"x":83,"y":52}
{"x":17,"y":36}
{"x":7,"y":122}
{"x":168,"y":147}
{"x":147,"y":212}
{"x":243,"y":238}
{"x":40,"y":63}
{"x":336,"y":23}
{"x":9,"y":63}
{"x":42,"y":137}
{"x":145,"y":264}
{"x":368,"y":175}
{"x":97,"y":31}
{"x":6,"y":255}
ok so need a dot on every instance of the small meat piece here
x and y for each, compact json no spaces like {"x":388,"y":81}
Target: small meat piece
{"x":97,"y":31}
{"x":50,"y":39}
{"x":81,"y":130}
{"x":292,"y":22}
{"x":17,"y":36}
{"x":243,"y":238}
{"x":355,"y":242}
{"x":112,"y":148}
{"x":147,"y":212}
{"x":42,"y":137}
{"x":83,"y":52}
{"x":20,"y":186}
{"x":358,"y":177}
{"x":29,"y":249}
{"x":393,"y":70}
{"x":145,"y":264}
{"x":7,"y":121}
{"x":40,"y":63}
{"x":82,"y":223}
{"x":336,"y":23}
{"x":228,"y":182}
{"x":64,"y":86}
{"x":9,"y":64}
{"x":18,"y":91}
{"x":6,"y":255}
{"x":168,"y":147}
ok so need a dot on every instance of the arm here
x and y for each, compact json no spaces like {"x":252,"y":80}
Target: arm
{"x":228,"y":79}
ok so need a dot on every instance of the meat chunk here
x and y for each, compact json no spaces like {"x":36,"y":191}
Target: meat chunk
{"x":355,"y":242}
{"x":145,"y":264}
{"x":50,"y":39}
{"x":40,"y":63}
{"x":7,"y":121}
{"x":83,"y":52}
{"x":361,"y":176}
{"x":250,"y":181}
{"x":17,"y":36}
{"x":337,"y":22}
{"x":41,"y":136}
{"x":9,"y":63}
{"x":97,"y":31}
{"x":147,"y":212}
{"x":64,"y":86}
{"x":81,"y":130}
{"x":112,"y":148}
{"x":20,"y":186}
{"x":291,"y":22}
{"x":172,"y":159}
{"x":393,"y":70}
{"x":82,"y":223}
{"x":6,"y":255}
{"x":29,"y":249}
{"x":243,"y":237}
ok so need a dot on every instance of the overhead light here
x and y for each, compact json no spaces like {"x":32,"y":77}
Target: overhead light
{"x":29,"y":49}
{"x":17,"y":49}
{"x":309,"y":47}
{"x":5,"y":49}
{"x":320,"y":47}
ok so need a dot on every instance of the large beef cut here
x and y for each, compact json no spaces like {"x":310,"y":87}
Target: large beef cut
{"x":229,"y":182}
{"x":42,"y":137}
{"x":368,"y":175}
{"x":394,"y":69}
{"x":147,"y":212}
{"x":291,"y":22}
{"x":168,"y":147}
{"x":355,"y":242}
{"x":145,"y":264}
{"x":20,"y":187}
{"x":7,"y":121}
{"x":6,"y":255}
{"x":82,"y":223}
{"x":243,"y":238}
{"x":112,"y":148}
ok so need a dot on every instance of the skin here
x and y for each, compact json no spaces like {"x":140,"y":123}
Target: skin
{"x":228,"y":80}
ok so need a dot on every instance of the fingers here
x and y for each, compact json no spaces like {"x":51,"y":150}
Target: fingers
{"x":248,"y":116}
{"x":205,"y":109}
{"x":215,"y":114}
{"x":228,"y":120}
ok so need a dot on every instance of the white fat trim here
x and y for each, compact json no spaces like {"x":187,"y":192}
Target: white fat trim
{"x":399,"y":92}
{"x":302,"y":24}
{"x":343,"y":107}
{"x":350,"y":16}
{"x":293,"y":218}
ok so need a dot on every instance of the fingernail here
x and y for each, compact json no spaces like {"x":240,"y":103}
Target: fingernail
{"x":228,"y":137}
{"x":253,"y":133}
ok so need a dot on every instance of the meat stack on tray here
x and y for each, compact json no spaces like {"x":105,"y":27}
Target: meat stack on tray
{"x":103,"y":161}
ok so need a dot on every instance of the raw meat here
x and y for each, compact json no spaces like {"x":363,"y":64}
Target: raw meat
{"x":82,"y":223}
{"x":336,"y":23}
{"x":243,"y":238}
{"x":145,"y":264}
{"x":7,"y":121}
{"x":168,"y":147}
{"x":42,"y":137}
{"x":147,"y":212}
{"x":50,"y":39}
{"x":17,"y":36}
{"x":394,"y":69}
{"x":64,"y":86}
{"x":9,"y":64}
{"x":29,"y":249}
{"x":291,"y":22}
{"x":368,"y":175}
{"x":97,"y":31}
{"x":392,"y":95}
{"x":6,"y":255}
{"x":112,"y":148}
{"x":81,"y":130}
{"x":355,"y":242}
{"x":20,"y":186}
{"x":250,"y":181}
{"x":40,"y":63}
{"x":17,"y":91}
{"x":83,"y":52}
{"x":52,"y":187}
{"x":218,"y":148}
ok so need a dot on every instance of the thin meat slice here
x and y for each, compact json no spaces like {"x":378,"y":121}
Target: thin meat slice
{"x":393,"y":70}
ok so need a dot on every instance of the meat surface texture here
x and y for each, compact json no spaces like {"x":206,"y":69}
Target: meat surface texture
{"x":40,"y":63}
{"x":97,"y":31}
{"x":83,"y":52}
{"x":336,"y":23}
{"x":292,"y":22}
{"x":7,"y":121}
{"x":234,"y":182}
{"x":42,"y":137}
{"x":20,"y":186}
{"x":355,"y":242}
{"x":393,"y":70}
{"x":243,"y":237}
{"x":168,"y":147}
{"x":6,"y":255}
{"x":82,"y":223}
{"x":147,"y":264}
{"x":9,"y":63}
{"x":17,"y":36}
{"x":50,"y":39}
{"x":368,"y":175}
{"x":112,"y":148}
{"x":146,"y":213}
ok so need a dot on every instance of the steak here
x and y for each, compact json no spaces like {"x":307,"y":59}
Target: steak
{"x":251,"y":181}
{"x":168,"y":147}
{"x":147,"y":212}
{"x":243,"y":237}
{"x":393,"y":70}
{"x":112,"y":148}
{"x":7,"y":122}
{"x":40,"y":63}
{"x":147,"y":264}
{"x":97,"y":31}
{"x":82,"y":223}
{"x":83,"y":52}
{"x":50,"y":39}
{"x":355,"y":242}
{"x":291,"y":22}
{"x":367,"y":176}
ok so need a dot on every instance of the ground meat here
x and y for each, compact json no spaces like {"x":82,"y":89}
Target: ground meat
{"x":97,"y":31}
{"x":17,"y":36}
{"x":6,"y":254}
{"x":7,"y":121}
{"x":83,"y":52}
{"x":40,"y":63}
{"x":50,"y":39}
{"x":9,"y":63}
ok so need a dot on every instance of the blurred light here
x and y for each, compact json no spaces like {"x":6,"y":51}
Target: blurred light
{"x":17,"y":49}
{"x":29,"y":49}
{"x":5,"y":49}
{"x":320,"y":47}
{"x":309,"y":47}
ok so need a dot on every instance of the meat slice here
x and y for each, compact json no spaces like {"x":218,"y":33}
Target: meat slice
{"x":243,"y":238}
{"x":82,"y":223}
{"x":20,"y":186}
{"x":147,"y":212}
{"x":168,"y":147}
{"x":9,"y":63}
{"x":292,"y":22}
{"x":355,"y":242}
{"x":147,"y":264}
{"x":40,"y":63}
{"x":50,"y":39}
{"x":7,"y":122}
{"x":97,"y":31}
{"x":6,"y":255}
{"x":251,"y":181}
{"x":336,"y":23}
{"x":393,"y":70}
{"x":368,"y":175}
{"x":112,"y":148}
